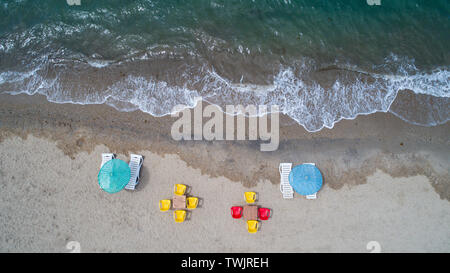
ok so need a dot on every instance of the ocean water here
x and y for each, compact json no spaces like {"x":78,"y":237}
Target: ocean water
{"x":320,"y":61}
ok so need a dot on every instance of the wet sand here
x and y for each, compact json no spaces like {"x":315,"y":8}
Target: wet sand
{"x":385,"y":181}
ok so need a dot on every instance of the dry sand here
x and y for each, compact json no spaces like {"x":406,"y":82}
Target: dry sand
{"x":48,"y":199}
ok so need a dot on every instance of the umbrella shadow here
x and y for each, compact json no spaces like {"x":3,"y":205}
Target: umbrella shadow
{"x":200,"y":202}
{"x":188,"y":190}
{"x":188,"y":215}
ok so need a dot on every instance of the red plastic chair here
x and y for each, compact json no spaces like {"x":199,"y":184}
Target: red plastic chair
{"x":263,"y":213}
{"x":236,"y":212}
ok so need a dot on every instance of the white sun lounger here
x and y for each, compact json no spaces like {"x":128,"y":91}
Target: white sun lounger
{"x":106,"y":157}
{"x":285,"y":187}
{"x":314,"y":195}
{"x":135,"y":166}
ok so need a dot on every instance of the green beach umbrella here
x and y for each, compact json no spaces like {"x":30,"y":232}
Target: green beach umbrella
{"x":114,"y":175}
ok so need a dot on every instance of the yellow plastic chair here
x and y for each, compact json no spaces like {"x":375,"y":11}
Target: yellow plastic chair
{"x":250,"y":197}
{"x":192,"y":202}
{"x":179,"y":189}
{"x":252,"y":226}
{"x":179,"y":216}
{"x":164,"y":205}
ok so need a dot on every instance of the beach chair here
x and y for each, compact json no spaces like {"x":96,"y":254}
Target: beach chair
{"x":250,"y":197}
{"x":311,"y":196}
{"x":179,"y":216}
{"x":236,"y":212}
{"x":285,"y":188}
{"x":252,"y":226}
{"x":135,"y":167}
{"x":106,"y":157}
{"x":263,"y":213}
{"x":164,"y":205}
{"x":192,"y":202}
{"x":179,"y":189}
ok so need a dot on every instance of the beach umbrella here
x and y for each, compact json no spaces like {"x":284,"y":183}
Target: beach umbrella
{"x":305,"y":179}
{"x":114,"y":175}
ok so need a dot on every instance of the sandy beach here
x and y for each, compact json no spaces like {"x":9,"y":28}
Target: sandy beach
{"x":384,"y":181}
{"x":215,"y":94}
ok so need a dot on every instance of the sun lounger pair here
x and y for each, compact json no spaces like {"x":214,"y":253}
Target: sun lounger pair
{"x":135,"y":167}
{"x":286,"y":188}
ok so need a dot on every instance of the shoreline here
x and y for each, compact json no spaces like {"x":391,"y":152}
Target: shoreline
{"x":346,"y":154}
{"x":384,"y":180}
{"x":214,"y":95}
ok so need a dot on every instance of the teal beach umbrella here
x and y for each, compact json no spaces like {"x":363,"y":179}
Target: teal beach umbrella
{"x":114,"y":175}
{"x":305,"y":179}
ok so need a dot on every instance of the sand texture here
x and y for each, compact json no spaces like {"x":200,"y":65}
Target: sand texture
{"x":48,"y":200}
{"x":384,"y":180}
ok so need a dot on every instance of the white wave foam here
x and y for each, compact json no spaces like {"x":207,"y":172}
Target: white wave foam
{"x":153,"y":97}
{"x":99,"y":63}
{"x":436,"y":84}
{"x":305,"y":101}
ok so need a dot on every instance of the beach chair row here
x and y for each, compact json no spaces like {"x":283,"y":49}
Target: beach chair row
{"x":181,"y":201}
{"x":136,"y":162}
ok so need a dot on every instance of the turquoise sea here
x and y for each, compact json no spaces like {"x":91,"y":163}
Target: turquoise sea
{"x":320,"y":61}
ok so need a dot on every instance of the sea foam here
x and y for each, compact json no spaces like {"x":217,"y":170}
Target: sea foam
{"x":304,"y":100}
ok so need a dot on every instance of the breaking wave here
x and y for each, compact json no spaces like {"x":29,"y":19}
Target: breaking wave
{"x":315,"y":97}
